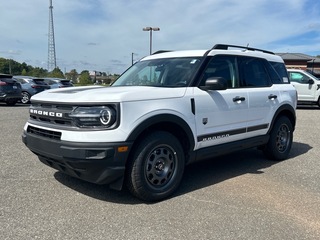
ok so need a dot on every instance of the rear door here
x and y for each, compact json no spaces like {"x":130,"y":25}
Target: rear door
{"x":263,"y":95}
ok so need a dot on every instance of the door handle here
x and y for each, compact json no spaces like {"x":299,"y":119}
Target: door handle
{"x":272,"y":96}
{"x":238,"y":99}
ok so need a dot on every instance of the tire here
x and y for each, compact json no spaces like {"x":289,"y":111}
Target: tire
{"x":156,"y":168}
{"x":25,"y":98}
{"x":280,"y":141}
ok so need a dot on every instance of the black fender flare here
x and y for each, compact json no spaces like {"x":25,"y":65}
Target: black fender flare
{"x":286,"y":110}
{"x":162,"y":121}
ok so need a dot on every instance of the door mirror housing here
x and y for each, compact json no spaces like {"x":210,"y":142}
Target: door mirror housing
{"x":215,"y":83}
{"x":310,"y":81}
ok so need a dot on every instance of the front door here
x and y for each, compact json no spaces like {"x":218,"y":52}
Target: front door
{"x":306,"y":91}
{"x":221,"y":116}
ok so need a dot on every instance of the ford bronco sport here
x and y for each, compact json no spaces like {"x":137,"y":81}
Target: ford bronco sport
{"x":167,"y":110}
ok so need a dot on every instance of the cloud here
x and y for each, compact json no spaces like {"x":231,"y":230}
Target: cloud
{"x":314,"y":26}
{"x":11,"y":52}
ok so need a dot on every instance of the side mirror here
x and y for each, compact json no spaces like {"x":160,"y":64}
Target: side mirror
{"x":215,"y":83}
{"x":310,"y":81}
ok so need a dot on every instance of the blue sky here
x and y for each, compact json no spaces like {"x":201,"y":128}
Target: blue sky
{"x":101,"y":35}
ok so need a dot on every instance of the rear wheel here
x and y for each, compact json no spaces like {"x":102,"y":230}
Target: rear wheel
{"x":157,"y":166}
{"x":25,"y":97}
{"x":280,"y":141}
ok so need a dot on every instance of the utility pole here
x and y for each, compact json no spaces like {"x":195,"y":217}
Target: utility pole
{"x":52,"y":64}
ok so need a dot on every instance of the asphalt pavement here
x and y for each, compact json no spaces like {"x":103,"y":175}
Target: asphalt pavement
{"x":237,"y":196}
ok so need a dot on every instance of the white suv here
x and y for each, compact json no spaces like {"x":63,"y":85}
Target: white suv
{"x":166,"y":111}
{"x":307,"y":85}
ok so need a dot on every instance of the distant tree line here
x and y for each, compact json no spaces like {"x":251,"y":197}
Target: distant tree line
{"x":9,"y":66}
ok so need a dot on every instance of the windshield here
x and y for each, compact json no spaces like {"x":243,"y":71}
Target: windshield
{"x":168,"y":72}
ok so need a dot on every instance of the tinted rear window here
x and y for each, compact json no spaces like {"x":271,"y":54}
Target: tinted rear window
{"x":66,"y":83}
{"x":281,"y":71}
{"x":7,"y":80}
{"x":39,"y":81}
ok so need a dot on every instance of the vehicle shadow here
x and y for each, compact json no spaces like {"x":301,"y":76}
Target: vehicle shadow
{"x":15,"y":106}
{"x":100,"y":192}
{"x":308,"y":107}
{"x":196,"y":176}
{"x":214,"y":171}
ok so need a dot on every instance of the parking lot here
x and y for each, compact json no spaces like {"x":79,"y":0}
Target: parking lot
{"x":237,"y":196}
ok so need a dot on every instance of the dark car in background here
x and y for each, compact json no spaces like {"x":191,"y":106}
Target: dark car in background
{"x":10,"y":90}
{"x":31,"y":86}
{"x":58,"y":82}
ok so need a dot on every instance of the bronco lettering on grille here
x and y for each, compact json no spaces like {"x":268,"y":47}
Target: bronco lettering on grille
{"x":46,"y":113}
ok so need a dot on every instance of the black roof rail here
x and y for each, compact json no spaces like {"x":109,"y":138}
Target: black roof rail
{"x":161,"y":51}
{"x":226,"y":46}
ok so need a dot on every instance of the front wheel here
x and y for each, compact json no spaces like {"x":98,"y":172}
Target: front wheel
{"x":157,"y":167}
{"x":280,"y":141}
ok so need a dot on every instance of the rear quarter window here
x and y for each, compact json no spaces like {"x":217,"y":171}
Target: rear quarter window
{"x":281,"y":70}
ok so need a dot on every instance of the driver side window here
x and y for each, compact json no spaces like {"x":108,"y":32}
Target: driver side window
{"x":298,"y":77}
{"x":224,"y":67}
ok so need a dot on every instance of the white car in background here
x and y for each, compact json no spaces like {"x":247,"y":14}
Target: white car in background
{"x":307,"y":85}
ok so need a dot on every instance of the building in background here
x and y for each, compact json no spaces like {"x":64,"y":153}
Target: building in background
{"x":302,"y":61}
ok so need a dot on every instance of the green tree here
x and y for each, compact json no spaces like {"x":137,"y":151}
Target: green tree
{"x":72,"y":75}
{"x":56,"y":73}
{"x":25,"y":67}
{"x":3,"y":67}
{"x":24,"y":72}
{"x":85,"y":78}
{"x":9,"y":66}
{"x":38,"y":72}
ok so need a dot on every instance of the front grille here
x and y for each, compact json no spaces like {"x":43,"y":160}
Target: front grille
{"x":44,"y":133}
{"x":51,"y":114}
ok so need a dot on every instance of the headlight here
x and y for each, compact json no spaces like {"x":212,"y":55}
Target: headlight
{"x":94,"y":117}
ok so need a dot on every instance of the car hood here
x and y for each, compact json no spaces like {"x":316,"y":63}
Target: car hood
{"x":99,"y":94}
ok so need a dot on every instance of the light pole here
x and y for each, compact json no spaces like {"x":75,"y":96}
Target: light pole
{"x":150,"y":29}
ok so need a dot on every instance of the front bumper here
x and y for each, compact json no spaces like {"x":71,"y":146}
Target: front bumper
{"x":99,"y":163}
